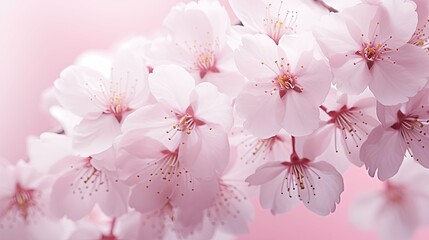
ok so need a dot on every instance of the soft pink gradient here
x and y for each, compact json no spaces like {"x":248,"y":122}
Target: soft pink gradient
{"x":40,"y":38}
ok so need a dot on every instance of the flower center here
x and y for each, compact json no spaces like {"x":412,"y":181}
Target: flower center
{"x":287,"y":82}
{"x":394,"y":192}
{"x":117,"y":107}
{"x":257,"y":150}
{"x":351,"y":124}
{"x":284,"y":22}
{"x":410,"y":122}
{"x":186,"y":123}
{"x":206,"y":62}
{"x":371,"y":53}
{"x":413,"y":129}
{"x":298,"y":177}
{"x":88,"y":179}
{"x":23,"y":202}
{"x":420,"y":38}
{"x":167,"y":168}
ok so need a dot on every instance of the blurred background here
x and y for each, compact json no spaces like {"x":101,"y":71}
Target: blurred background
{"x":40,"y":38}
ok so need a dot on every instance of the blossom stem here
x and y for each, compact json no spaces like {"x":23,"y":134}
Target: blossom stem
{"x":324,"y":5}
{"x":293,"y":145}
{"x":294,"y":156}
{"x":112,"y":226}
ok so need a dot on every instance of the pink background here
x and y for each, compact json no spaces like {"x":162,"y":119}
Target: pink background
{"x":40,"y":38}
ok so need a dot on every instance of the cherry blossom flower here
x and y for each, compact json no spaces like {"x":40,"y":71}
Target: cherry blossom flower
{"x":197,"y":41}
{"x":399,"y":208}
{"x":275,"y":18}
{"x":160,"y":178}
{"x":367,"y":45}
{"x":287,"y":84}
{"x":404,"y":128}
{"x":193,"y":119}
{"x":347,"y":124}
{"x":162,"y":181}
{"x":102,"y":104}
{"x":84,"y":182}
{"x":24,"y":205}
{"x":285,"y":183}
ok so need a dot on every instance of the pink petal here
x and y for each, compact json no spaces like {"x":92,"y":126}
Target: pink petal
{"x":115,"y":203}
{"x":254,"y":105}
{"x":93,"y":136}
{"x":212,"y":107}
{"x":229,"y":83}
{"x":205,"y":151}
{"x":398,"y":221}
{"x":420,"y":147}
{"x":251,"y":13}
{"x":419,"y":104}
{"x":328,"y":186}
{"x":365,"y":210}
{"x":64,"y":202}
{"x":359,"y":25}
{"x":393,"y":84}
{"x":191,"y":194}
{"x":129,"y":74}
{"x":274,"y":196}
{"x":351,"y":74}
{"x":58,"y":146}
{"x":313,"y":75}
{"x":301,"y":114}
{"x":155,"y":121}
{"x":413,"y":58}
{"x":136,"y":143}
{"x":204,"y":17}
{"x":387,"y":115}
{"x":399,"y":20}
{"x":383,"y":152}
{"x":266,"y":173}
{"x":78,"y":90}
{"x":150,"y":195}
{"x":234,"y":210}
{"x":172,"y":86}
{"x":318,"y":142}
{"x":257,"y":57}
{"x":333,"y":36}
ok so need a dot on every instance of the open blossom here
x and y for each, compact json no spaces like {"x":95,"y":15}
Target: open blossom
{"x":403,"y":130}
{"x":284,"y":184}
{"x":367,"y":45}
{"x":24,"y":205}
{"x":102,"y":103}
{"x":197,"y":41}
{"x":287,"y":84}
{"x":275,"y":18}
{"x":398,"y":209}
{"x":159,"y":177}
{"x":191,"y":119}
{"x":82,"y":183}
{"x":348,"y":120}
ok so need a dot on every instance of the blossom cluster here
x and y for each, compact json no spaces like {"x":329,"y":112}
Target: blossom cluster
{"x":170,"y":136}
